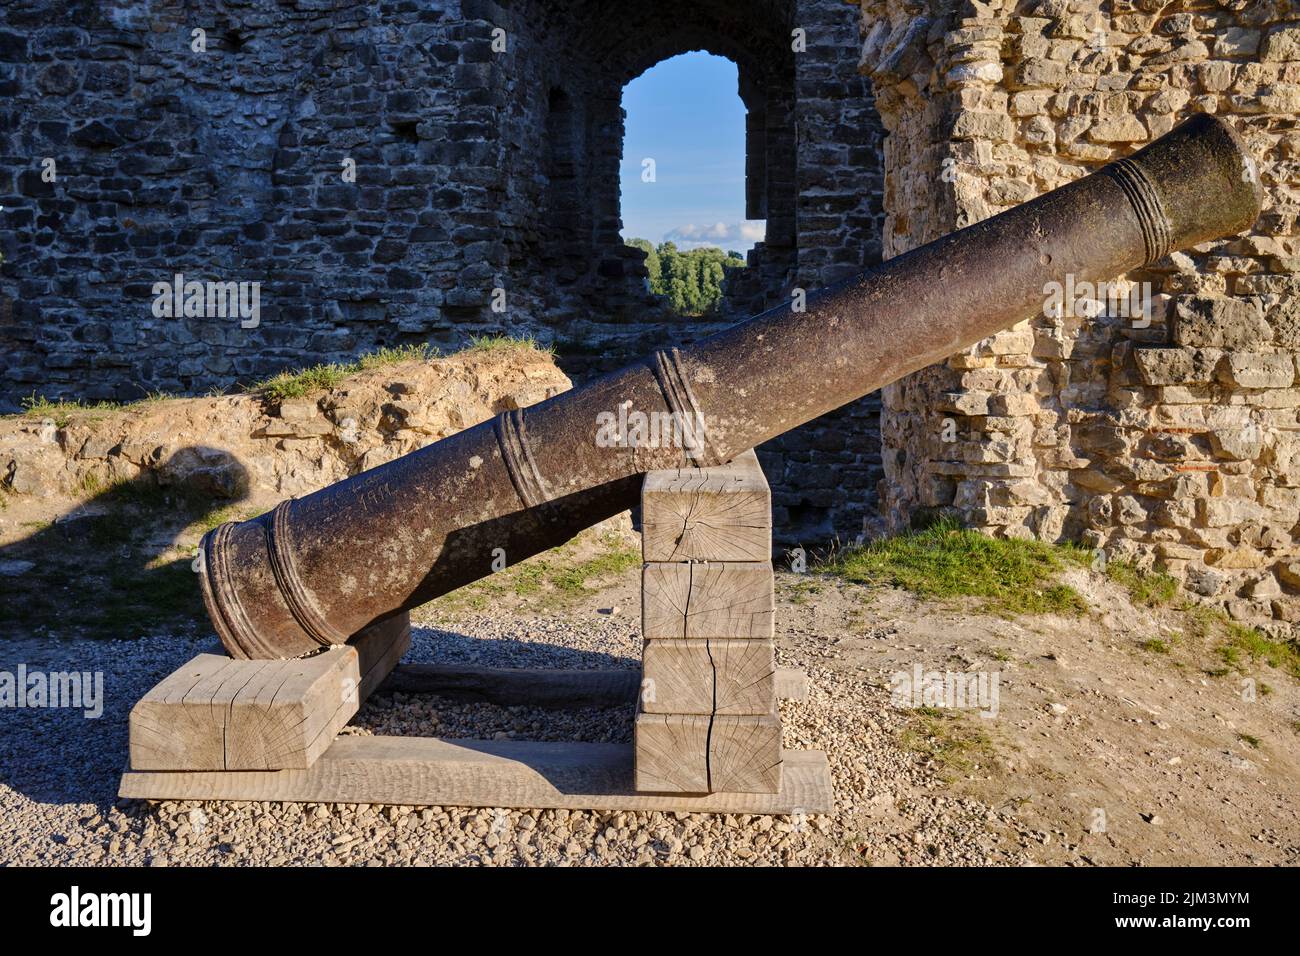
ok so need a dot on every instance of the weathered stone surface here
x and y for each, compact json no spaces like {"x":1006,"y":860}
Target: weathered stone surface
{"x":1283,"y":43}
{"x":1255,"y":370}
{"x":1219,"y":321}
{"x":1208,"y":582}
{"x":1198,"y":387}
{"x":1177,"y":366}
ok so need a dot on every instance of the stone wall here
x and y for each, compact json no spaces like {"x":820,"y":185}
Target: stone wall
{"x":485,"y":139}
{"x":1174,"y":442}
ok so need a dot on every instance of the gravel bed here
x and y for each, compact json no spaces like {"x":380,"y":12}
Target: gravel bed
{"x":59,"y":773}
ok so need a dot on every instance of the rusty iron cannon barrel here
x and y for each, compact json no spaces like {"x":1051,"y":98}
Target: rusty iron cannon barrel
{"x":318,"y":569}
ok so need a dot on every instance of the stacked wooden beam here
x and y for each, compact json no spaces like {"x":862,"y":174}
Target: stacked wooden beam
{"x":708,"y":720}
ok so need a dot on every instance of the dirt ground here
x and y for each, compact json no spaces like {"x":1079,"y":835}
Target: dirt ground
{"x":1102,"y":752}
{"x":1105,"y":752}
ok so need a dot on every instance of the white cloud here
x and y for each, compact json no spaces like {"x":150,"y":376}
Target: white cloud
{"x":734,"y":235}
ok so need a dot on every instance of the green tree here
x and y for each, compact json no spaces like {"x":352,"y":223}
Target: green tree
{"x":690,"y":281}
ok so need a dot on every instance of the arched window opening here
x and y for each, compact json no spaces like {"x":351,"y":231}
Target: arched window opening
{"x":688,"y":181}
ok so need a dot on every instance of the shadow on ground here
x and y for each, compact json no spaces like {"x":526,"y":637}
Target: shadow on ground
{"x":118,"y":565}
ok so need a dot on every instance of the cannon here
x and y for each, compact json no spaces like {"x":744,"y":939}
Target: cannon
{"x":317,"y":570}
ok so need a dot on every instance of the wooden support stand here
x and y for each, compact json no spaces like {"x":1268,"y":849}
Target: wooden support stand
{"x":708,"y":720}
{"x":707,"y":734}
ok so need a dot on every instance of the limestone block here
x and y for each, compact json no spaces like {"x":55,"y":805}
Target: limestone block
{"x":1238,"y":42}
{"x":1217,"y":76}
{"x":1284,"y":458}
{"x":1118,"y":129}
{"x":1176,"y":366}
{"x":1174,"y":551}
{"x":987,"y":451}
{"x":1227,"y":512}
{"x":1030,"y":103}
{"x":1186,"y":395}
{"x":1014,"y":403}
{"x":996,"y":127}
{"x":1234,"y":558}
{"x":1129,"y":510}
{"x":964,"y":403}
{"x":1219,"y":321}
{"x":1039,"y":72}
{"x":1205,"y":581}
{"x":1257,"y":370}
{"x":1264,"y":588}
{"x":1286,"y":609}
{"x":1277,"y":99}
{"x":1283,"y":43}
{"x":298,"y":410}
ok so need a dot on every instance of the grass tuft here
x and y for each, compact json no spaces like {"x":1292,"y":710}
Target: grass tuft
{"x":1009,"y":577}
{"x":296,"y":383}
{"x":1146,"y":588}
{"x":952,"y":743}
{"x":497,"y":343}
{"x":1243,"y":644}
{"x":392,"y":355}
{"x":299,"y":382}
{"x":60,"y":411}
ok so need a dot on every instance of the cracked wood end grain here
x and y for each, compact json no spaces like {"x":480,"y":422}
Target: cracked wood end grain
{"x":708,"y":677}
{"x":215,"y":713}
{"x":723,"y":513}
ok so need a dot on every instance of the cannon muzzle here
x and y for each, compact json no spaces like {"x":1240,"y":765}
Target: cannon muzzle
{"x":318,"y":569}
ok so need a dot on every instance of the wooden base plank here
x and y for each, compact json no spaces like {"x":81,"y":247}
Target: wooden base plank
{"x":428,"y":771}
{"x":548,"y":688}
{"x":216,"y":713}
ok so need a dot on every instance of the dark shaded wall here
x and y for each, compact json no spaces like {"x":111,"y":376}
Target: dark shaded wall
{"x":477,"y":169}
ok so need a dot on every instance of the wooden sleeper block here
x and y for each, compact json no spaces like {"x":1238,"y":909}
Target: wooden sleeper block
{"x":691,"y":753}
{"x":708,"y":677}
{"x":216,"y":713}
{"x":732,"y":600}
{"x":722,"y":513}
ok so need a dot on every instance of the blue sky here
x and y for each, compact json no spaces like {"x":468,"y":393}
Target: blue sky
{"x":685,"y":114}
